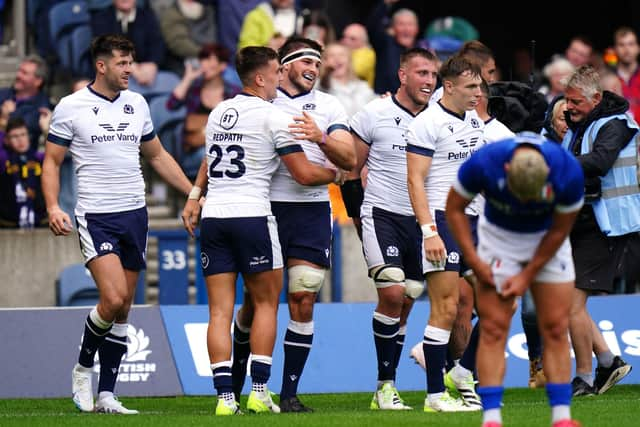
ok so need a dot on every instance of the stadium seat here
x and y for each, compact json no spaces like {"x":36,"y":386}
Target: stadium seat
{"x":64,"y":17}
{"x":165,"y":122}
{"x":75,"y":287}
{"x":163,"y":85}
{"x":80,"y":52}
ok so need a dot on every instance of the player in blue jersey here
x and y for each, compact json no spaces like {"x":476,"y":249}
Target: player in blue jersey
{"x":534,"y":190}
{"x":106,"y":127}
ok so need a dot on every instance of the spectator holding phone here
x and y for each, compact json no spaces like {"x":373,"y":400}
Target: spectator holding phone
{"x":202,"y":88}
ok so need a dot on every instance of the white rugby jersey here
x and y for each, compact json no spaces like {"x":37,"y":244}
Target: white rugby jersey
{"x":436,"y":96}
{"x":449,"y":139}
{"x":244,"y":137}
{"x":495,"y":130}
{"x":329,"y":115}
{"x":382,"y":124}
{"x":104,"y":138}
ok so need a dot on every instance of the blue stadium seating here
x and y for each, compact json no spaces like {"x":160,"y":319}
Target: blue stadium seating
{"x":80,"y":51}
{"x":63,"y":19}
{"x":101,"y":4}
{"x":163,"y":85}
{"x":165,"y":122}
{"x":75,"y":287}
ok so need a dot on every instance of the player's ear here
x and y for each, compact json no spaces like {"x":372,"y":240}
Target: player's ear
{"x":402,"y":75}
{"x":100,"y":66}
{"x":447,"y":85}
{"x":259,"y":79}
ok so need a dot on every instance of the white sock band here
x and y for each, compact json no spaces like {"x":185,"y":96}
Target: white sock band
{"x":302,"y":328}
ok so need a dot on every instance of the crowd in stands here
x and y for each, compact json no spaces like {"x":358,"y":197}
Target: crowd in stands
{"x":197,"y":41}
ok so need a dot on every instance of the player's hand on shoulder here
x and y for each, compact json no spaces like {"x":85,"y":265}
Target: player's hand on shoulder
{"x":59,"y":222}
{"x":305,"y":128}
{"x":190,"y":215}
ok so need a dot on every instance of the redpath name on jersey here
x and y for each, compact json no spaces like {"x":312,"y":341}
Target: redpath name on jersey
{"x":231,"y":137}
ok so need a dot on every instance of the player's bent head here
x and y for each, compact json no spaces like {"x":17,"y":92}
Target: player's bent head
{"x":295,"y":43}
{"x":252,"y":58}
{"x":527,"y":173}
{"x":104,"y":46}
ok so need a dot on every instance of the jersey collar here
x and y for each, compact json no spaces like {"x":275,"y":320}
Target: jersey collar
{"x":101,"y":95}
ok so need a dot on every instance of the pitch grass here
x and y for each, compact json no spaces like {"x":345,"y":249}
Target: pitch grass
{"x":619,"y":407}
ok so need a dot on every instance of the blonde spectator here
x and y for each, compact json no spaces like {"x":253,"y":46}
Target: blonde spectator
{"x":555,"y":124}
{"x":339,"y":79}
{"x":363,"y":57}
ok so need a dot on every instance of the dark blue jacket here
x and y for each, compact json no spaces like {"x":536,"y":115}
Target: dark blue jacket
{"x":388,"y":51}
{"x":28,"y":109}
{"x":144,"y":32}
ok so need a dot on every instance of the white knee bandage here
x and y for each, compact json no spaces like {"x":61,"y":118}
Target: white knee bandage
{"x":303,"y":278}
{"x":413,"y":288}
{"x":387,"y":275}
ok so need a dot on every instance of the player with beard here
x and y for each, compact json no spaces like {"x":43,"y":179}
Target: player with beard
{"x":391,"y":238}
{"x":303,"y":212}
{"x":106,"y":127}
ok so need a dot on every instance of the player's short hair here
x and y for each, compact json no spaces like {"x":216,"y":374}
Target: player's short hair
{"x":476,"y":51}
{"x":220,"y":52}
{"x":528,"y":173}
{"x":250,"y":59}
{"x":417,"y":51}
{"x":294,"y":43}
{"x":456,"y":66}
{"x":586,"y":80}
{"x":105,"y":44}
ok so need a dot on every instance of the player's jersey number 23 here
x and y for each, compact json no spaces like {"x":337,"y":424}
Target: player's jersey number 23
{"x":236,"y":168}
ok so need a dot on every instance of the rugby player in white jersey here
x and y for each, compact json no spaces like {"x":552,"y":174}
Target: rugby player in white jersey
{"x":244,"y":137}
{"x":438,"y":141}
{"x":462,"y":335}
{"x":106,"y":127}
{"x":303,"y":212}
{"x":480,"y":54}
{"x":391,"y":238}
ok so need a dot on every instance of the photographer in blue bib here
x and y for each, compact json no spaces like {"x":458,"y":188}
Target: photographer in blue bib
{"x":605,"y":142}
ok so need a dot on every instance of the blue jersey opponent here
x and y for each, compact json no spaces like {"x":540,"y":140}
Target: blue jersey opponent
{"x":534,"y":190}
{"x":484,"y":173}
